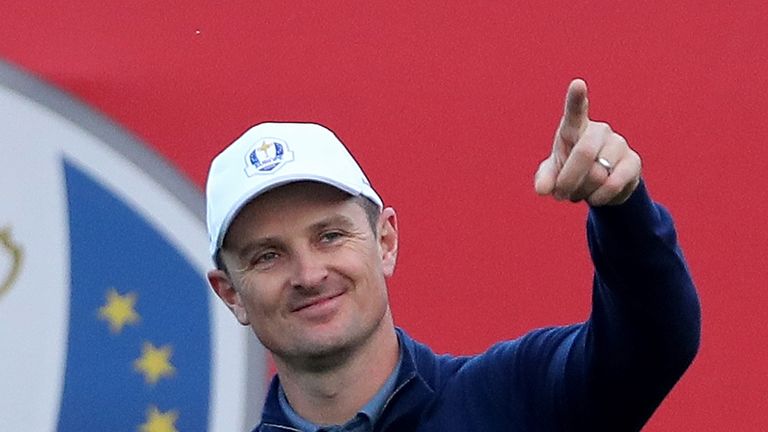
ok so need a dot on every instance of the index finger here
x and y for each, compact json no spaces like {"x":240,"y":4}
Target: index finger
{"x":576,"y":112}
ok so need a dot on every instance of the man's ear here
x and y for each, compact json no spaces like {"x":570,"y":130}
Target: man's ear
{"x":224,"y":288}
{"x":388,"y":240}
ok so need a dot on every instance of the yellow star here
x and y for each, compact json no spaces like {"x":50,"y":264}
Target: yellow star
{"x":160,"y":422}
{"x":264,"y":147}
{"x":119,"y":310}
{"x":154,"y":363}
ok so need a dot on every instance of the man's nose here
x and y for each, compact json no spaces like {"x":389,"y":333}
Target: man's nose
{"x":309,"y":271}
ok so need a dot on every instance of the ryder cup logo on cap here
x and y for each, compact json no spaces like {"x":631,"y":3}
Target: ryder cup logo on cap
{"x":276,"y":154}
{"x":267,"y":155}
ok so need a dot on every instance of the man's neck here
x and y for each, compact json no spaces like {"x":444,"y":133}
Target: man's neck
{"x":334,"y":395}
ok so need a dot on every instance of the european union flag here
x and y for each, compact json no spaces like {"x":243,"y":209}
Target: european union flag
{"x":139,"y":349}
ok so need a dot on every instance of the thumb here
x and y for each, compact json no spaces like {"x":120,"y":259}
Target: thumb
{"x":545,"y":177}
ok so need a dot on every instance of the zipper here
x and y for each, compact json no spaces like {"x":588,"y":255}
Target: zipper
{"x":391,"y":396}
{"x":277,"y":426}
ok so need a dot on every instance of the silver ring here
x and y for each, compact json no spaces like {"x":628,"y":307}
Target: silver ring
{"x":603,"y":162}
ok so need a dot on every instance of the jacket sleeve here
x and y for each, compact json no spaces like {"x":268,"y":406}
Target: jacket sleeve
{"x":645,"y":324}
{"x":610,"y":372}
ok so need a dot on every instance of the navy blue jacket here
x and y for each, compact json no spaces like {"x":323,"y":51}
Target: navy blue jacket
{"x":606,"y":374}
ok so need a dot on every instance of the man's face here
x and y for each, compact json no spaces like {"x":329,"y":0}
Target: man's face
{"x":306,"y":270}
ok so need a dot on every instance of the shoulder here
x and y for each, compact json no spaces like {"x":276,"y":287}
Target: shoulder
{"x":538,"y":350}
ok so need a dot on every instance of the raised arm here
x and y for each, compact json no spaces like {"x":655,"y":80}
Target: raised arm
{"x":644,"y":328}
{"x":610,"y":372}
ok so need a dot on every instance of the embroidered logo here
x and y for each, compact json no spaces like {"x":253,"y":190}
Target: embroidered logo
{"x":266,"y":156}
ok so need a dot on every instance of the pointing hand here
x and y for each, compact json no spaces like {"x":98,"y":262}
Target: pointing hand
{"x":589,"y":161}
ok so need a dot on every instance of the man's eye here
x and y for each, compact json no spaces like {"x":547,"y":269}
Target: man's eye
{"x":330,"y":236}
{"x":265,"y":258}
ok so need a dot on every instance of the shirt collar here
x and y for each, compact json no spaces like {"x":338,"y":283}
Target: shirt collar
{"x":370,"y":412}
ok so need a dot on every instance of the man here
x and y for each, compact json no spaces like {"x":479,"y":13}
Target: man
{"x":303,"y":247}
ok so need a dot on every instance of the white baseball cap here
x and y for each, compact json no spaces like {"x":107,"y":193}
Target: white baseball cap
{"x":269,"y":155}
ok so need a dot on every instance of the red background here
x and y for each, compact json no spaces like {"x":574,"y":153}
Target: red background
{"x":450,"y":107}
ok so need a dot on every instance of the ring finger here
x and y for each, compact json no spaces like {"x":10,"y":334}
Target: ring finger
{"x":609,"y":155}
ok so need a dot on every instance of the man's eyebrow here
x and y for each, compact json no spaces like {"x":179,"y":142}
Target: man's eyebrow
{"x":249,"y":248}
{"x":339,"y":221}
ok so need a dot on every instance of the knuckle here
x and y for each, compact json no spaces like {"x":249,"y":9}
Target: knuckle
{"x":585,"y":151}
{"x":620,"y":140}
{"x":603,"y":128}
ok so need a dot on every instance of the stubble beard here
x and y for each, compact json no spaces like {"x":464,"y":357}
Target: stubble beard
{"x":323,"y":356}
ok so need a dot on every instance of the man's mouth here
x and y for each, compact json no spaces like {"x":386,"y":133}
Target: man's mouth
{"x":315,"y":302}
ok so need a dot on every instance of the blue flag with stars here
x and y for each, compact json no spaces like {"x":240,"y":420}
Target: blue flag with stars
{"x":139,"y":349}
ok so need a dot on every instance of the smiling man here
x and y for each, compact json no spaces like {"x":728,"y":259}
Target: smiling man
{"x":304,"y":245}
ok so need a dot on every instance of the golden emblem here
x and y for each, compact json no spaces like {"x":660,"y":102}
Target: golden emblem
{"x":16,"y":255}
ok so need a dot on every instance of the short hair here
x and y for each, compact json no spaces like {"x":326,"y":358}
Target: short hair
{"x":371,"y":209}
